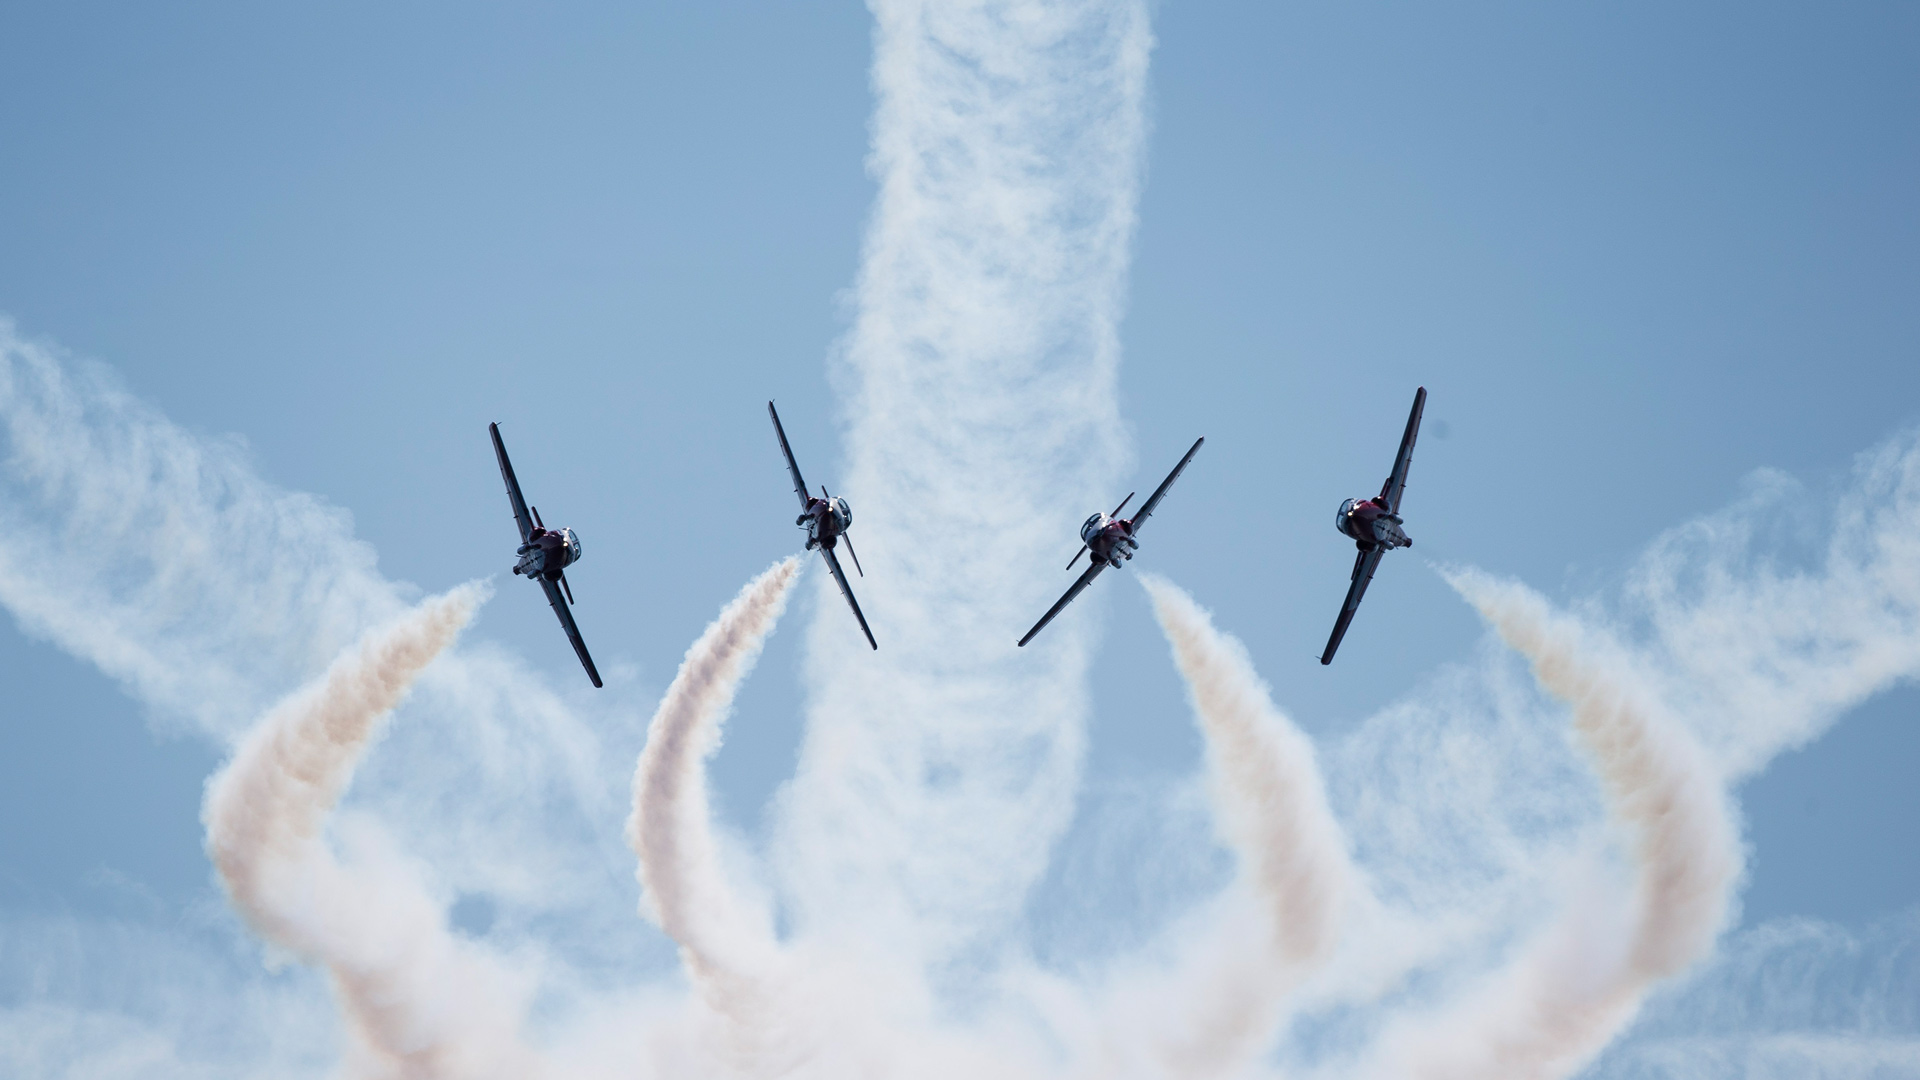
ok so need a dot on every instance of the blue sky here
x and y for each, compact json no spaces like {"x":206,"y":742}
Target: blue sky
{"x":1635,"y":254}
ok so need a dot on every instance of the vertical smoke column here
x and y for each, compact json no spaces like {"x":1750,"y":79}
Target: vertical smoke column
{"x":728,"y":952}
{"x":1582,"y":980}
{"x":1272,"y":811}
{"x":418,"y":1002}
{"x":982,"y":427}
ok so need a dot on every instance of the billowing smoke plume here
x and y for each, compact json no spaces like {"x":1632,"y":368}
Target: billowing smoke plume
{"x":1580,"y":981}
{"x":419,"y":1003}
{"x":983,"y":426}
{"x":728,"y":950}
{"x":1271,"y":809}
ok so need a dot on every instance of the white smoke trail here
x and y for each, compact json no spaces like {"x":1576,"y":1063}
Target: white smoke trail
{"x":937,"y":773}
{"x":161,"y":556}
{"x":728,"y":951}
{"x":419,"y":1003}
{"x":164,"y":558}
{"x":1764,"y":655}
{"x":1272,"y":811}
{"x":1793,"y":999}
{"x":1579,"y":983}
{"x":91,"y":998}
{"x":983,"y":425}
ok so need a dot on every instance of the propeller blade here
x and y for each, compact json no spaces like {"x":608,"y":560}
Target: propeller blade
{"x":855,"y":554}
{"x":1076,"y":556}
{"x":1122,"y":506}
{"x":567,"y":587}
{"x":536,"y":517}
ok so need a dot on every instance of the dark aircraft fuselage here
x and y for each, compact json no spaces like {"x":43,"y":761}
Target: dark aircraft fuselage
{"x":1108,"y":539}
{"x":547,"y":552}
{"x":825,"y":520}
{"x":1369,"y":525}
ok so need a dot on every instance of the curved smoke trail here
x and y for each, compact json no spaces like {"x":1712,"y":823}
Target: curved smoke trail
{"x":727,"y":952}
{"x":1582,"y":981}
{"x":1272,"y":811}
{"x":419,"y":1003}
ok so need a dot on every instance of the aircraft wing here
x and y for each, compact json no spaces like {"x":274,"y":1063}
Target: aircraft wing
{"x":800,"y":487}
{"x":520,"y":515}
{"x":1363,"y":567}
{"x":1397,"y":482}
{"x":1153,"y":501}
{"x":846,"y":590}
{"x":1079,"y":586}
{"x":559,"y":603}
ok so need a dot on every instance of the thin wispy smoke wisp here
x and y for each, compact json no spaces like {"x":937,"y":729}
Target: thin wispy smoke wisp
{"x":1795,"y":999}
{"x":1581,"y":980}
{"x":419,"y":1003}
{"x":160,"y":556}
{"x":1766,"y":652}
{"x":728,"y":950}
{"x":1272,"y":811}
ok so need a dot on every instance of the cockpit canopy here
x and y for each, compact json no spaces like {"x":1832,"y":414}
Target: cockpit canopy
{"x":842,"y":513}
{"x":1340,"y":519}
{"x":573,"y":546}
{"x":1092,"y":527}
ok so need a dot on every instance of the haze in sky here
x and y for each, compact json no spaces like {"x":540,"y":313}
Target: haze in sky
{"x":1612,"y":775}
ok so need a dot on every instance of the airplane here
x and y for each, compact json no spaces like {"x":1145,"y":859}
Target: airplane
{"x":544,"y":554}
{"x":1374,"y":525}
{"x":1110,"y":539}
{"x":826,"y":520}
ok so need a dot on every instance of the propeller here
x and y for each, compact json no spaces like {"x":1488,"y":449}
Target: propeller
{"x":567,"y":587}
{"x":1116,"y":513}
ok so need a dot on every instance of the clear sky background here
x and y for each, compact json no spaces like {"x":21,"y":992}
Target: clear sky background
{"x":1634,"y":252}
